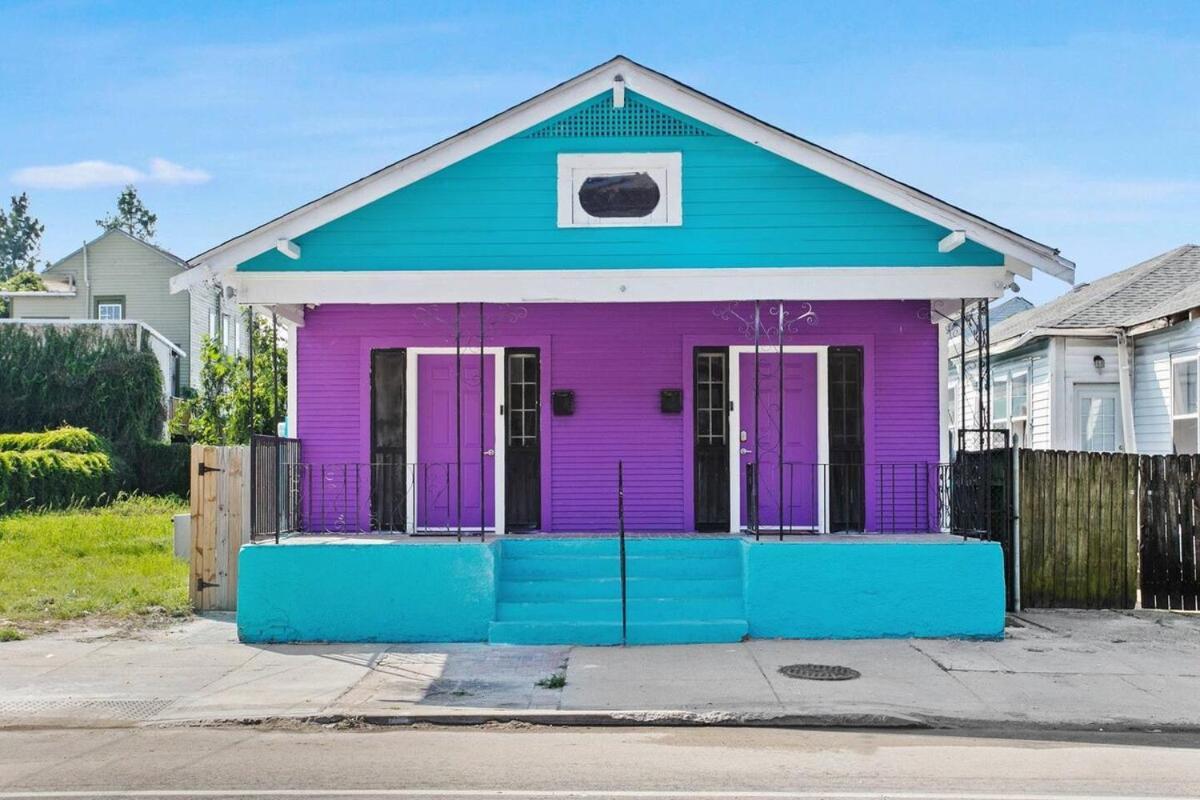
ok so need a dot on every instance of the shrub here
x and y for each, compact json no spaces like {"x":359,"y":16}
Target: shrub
{"x":52,"y":479}
{"x":65,"y":440}
{"x":162,"y":469}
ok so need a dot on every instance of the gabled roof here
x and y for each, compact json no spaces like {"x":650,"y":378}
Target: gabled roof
{"x":1022,"y":253}
{"x":1164,"y":285}
{"x":117,"y":231}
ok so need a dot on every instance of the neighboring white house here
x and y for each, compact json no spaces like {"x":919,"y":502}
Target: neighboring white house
{"x":1109,"y":366}
{"x":117,"y":276}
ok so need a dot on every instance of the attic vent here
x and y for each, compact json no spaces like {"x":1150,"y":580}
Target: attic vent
{"x":600,"y":119}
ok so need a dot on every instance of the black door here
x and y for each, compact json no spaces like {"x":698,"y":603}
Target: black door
{"x":388,"y":474}
{"x":522,"y":440}
{"x":847,"y":506}
{"x":711,"y":398}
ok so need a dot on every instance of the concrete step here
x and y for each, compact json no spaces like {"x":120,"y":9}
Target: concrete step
{"x":541,"y":567}
{"x":681,"y":547}
{"x":583,"y":611}
{"x":534,"y":546}
{"x":586,"y":633}
{"x":681,"y":587}
{"x":687,"y":609}
{"x":681,"y":567}
{"x":533,"y":590}
{"x":690,"y":632}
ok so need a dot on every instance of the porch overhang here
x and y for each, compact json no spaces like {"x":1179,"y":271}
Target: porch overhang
{"x":624,"y":286}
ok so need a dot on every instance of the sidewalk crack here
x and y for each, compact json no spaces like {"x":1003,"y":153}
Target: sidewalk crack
{"x":763,"y":672}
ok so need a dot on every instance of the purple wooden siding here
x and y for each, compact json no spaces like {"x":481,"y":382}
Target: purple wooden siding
{"x":616,"y":357}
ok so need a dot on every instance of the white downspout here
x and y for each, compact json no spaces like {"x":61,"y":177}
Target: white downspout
{"x":1125,"y":374}
{"x":87,"y":284}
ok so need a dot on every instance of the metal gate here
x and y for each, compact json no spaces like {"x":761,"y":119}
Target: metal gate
{"x":981,"y":494}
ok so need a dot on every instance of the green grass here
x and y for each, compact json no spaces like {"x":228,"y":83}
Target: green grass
{"x":556,"y":681}
{"x":114,"y":561}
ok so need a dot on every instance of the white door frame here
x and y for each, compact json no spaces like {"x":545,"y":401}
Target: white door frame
{"x":735,"y":426}
{"x":411,"y":392}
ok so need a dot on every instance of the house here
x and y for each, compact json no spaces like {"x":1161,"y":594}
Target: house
{"x":1109,"y":366}
{"x":622,"y":305}
{"x":117,"y":276}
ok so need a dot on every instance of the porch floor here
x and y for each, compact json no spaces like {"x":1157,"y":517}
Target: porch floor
{"x":796,"y":538}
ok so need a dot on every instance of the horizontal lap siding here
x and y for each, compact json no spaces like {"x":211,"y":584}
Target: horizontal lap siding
{"x":617,"y":358}
{"x":742,"y":207}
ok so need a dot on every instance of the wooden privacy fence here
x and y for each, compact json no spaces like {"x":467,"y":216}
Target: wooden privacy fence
{"x":1170,"y":531}
{"x":220,"y":501}
{"x":1078,"y":516}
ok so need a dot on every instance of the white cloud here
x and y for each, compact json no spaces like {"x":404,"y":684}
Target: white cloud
{"x":168,"y":172}
{"x":93,"y":174}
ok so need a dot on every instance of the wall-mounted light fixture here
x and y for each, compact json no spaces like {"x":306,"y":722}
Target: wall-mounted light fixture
{"x":1098,"y":363}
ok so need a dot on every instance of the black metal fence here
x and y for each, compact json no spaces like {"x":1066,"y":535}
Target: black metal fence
{"x":273,"y":510}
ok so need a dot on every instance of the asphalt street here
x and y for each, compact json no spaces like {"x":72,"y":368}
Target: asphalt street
{"x":520,"y":763}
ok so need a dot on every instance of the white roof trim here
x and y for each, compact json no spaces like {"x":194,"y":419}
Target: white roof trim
{"x":664,"y":90}
{"x":174,"y":259}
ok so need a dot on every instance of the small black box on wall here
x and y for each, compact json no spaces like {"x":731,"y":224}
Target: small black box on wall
{"x":670,"y":401}
{"x":562,"y":401}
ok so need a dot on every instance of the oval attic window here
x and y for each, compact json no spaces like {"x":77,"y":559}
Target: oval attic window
{"x":633,"y":194}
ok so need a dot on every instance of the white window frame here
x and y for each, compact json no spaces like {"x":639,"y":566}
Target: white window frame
{"x":100,"y":309}
{"x":1193,"y":357}
{"x":226,"y":330}
{"x":213,"y":318}
{"x":575,"y":168}
{"x":1005,"y":379}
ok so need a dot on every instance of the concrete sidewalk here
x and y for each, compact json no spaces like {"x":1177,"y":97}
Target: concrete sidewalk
{"x":1065,"y":669}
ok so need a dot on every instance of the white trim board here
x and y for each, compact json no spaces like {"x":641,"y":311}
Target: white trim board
{"x":735,"y":425}
{"x":623,"y":285}
{"x":657,"y":87}
{"x":411,"y":426}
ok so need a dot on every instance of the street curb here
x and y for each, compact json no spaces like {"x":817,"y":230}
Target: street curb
{"x":683,"y":719}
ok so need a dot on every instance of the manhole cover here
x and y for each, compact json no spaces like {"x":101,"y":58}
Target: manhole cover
{"x":819,"y":672}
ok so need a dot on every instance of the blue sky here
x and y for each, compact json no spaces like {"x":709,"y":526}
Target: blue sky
{"x":1077,"y":124}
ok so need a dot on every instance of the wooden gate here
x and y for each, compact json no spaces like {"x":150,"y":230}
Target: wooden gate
{"x":220,"y":500}
{"x":1170,"y":537}
{"x":1079,"y":528}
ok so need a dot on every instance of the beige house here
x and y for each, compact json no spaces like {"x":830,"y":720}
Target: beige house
{"x":117,"y":276}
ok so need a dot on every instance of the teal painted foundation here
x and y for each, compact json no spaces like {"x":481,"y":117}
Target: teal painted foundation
{"x":377,"y":592}
{"x":542,"y":590}
{"x":859,"y":590}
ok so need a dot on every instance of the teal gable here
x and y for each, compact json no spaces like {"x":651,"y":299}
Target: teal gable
{"x":743,"y":207}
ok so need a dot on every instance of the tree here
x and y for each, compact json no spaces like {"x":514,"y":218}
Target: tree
{"x":20,"y":238}
{"x":220,"y":413}
{"x":132,"y":216}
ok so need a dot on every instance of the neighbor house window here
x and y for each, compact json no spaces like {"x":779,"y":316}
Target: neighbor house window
{"x":1185,"y":436}
{"x":1010,"y":403}
{"x":110,"y":308}
{"x":212,"y":325}
{"x":619,"y":189}
{"x":226,"y":331}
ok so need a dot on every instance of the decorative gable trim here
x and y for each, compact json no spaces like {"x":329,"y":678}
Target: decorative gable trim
{"x":601,"y":119}
{"x":1021,"y":253}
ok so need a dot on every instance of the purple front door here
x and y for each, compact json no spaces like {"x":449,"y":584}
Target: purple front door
{"x":438,"y":466}
{"x":787,"y":495}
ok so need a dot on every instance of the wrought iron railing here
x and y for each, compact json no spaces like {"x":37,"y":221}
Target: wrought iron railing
{"x":272,"y":511}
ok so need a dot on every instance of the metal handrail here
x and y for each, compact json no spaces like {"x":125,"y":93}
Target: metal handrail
{"x":621,"y":532}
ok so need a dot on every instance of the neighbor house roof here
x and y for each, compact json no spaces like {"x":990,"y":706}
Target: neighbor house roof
{"x":118,"y":232}
{"x":1023,"y":253}
{"x":1160,"y":287}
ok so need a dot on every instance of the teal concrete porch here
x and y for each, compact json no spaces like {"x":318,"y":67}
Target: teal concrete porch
{"x":567,"y":589}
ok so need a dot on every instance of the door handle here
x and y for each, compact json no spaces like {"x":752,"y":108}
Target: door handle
{"x":744,"y":451}
{"x":490,"y":452}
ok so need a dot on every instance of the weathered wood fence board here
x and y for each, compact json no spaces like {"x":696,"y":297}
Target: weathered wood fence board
{"x":1170,"y":532}
{"x":1078,"y":520}
{"x":220,"y":505}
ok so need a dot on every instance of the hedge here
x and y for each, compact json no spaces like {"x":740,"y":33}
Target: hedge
{"x":53,"y":479}
{"x":80,"y":375}
{"x":65,"y":440}
{"x":163,"y":468}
